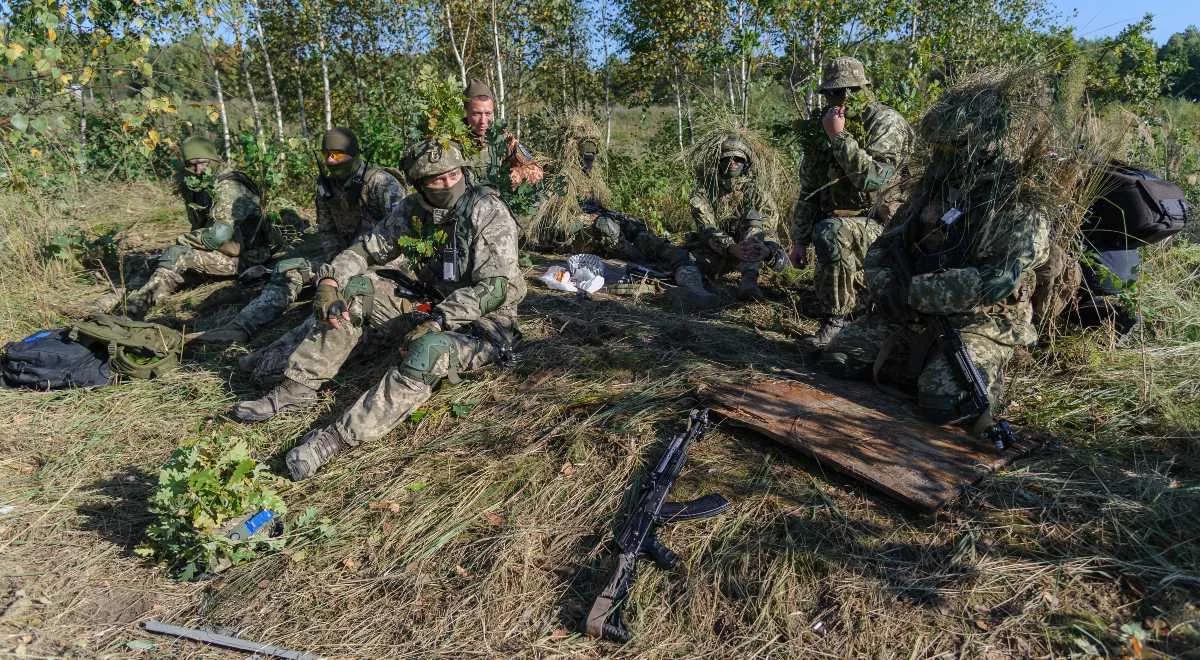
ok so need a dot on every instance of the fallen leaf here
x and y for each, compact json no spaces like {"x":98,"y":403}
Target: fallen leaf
{"x":351,"y":563}
{"x":462,"y":572}
{"x":567,"y":470}
{"x":982,"y":625}
{"x":560,"y":633}
{"x":384,"y":505}
{"x":494,"y":519}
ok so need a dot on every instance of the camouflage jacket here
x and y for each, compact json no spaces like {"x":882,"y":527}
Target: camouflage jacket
{"x":227,"y":217}
{"x":346,"y":210}
{"x":722,"y":220}
{"x":982,"y":281}
{"x":468,"y":254}
{"x":842,"y":174}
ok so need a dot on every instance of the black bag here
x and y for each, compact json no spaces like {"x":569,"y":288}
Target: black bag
{"x":49,"y":360}
{"x":1135,"y":208}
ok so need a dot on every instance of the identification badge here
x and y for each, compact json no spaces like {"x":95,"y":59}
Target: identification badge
{"x":950,"y":217}
{"x":450,"y":263}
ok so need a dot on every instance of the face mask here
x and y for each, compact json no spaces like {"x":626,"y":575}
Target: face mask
{"x":344,"y":170}
{"x":445,"y":198}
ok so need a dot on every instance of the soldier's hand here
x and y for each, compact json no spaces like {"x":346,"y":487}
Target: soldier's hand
{"x":750,"y":249}
{"x":328,"y":305}
{"x":834,"y":121}
{"x":799,"y":256}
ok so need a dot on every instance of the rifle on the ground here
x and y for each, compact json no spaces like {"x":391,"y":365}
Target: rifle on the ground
{"x":999,"y":432}
{"x":637,"y":538}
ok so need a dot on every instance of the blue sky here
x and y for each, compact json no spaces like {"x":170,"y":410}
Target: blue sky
{"x":1102,"y":18}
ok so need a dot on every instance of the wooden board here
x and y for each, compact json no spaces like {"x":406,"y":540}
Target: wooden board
{"x":865,"y":433}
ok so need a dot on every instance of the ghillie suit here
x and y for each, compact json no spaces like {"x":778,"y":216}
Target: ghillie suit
{"x":848,"y":190}
{"x":964,"y":247}
{"x":560,"y":222}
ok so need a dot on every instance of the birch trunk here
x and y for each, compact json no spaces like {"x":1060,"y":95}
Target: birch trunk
{"x":216,"y":74}
{"x":262,"y":45}
{"x":321,"y":46}
{"x":454,"y":47}
{"x":300,"y":97}
{"x":245,"y":69}
{"x":500,"y":93}
{"x":678,"y":108}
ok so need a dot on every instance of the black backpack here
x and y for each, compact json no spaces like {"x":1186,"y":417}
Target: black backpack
{"x":50,"y":360}
{"x":1135,"y":208}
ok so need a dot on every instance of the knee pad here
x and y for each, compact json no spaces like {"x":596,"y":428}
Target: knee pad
{"x":825,"y":240}
{"x":171,"y":256}
{"x":421,"y":363}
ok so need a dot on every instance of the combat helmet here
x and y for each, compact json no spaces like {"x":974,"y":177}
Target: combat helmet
{"x":431,"y":158}
{"x":197,"y":147}
{"x":843,"y":72}
{"x":735,"y":146}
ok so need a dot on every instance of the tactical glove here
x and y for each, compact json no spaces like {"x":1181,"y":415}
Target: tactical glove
{"x":327,"y":302}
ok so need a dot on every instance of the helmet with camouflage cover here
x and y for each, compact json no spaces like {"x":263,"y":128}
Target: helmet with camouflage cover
{"x":734,"y":146}
{"x":431,"y":158}
{"x":198,"y":147}
{"x":843,"y":72}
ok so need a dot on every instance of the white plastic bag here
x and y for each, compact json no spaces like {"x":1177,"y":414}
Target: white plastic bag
{"x":559,"y":279}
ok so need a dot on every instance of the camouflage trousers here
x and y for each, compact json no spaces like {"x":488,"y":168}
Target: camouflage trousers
{"x":841,"y":246}
{"x":280,"y":292}
{"x":182,"y":259}
{"x":639,"y":243}
{"x":428,"y":360}
{"x":913,"y":357}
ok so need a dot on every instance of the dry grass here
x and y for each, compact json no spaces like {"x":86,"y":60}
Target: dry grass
{"x":499,"y":539}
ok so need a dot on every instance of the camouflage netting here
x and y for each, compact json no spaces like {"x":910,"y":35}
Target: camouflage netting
{"x":559,"y":218}
{"x":1009,"y":138}
{"x":771,"y":175}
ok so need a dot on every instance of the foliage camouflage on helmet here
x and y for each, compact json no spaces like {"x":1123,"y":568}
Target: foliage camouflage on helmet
{"x":843,"y":72}
{"x":431,"y":158}
{"x":558,"y":217}
{"x":197,"y":147}
{"x":766,"y":170}
{"x":733,"y":146}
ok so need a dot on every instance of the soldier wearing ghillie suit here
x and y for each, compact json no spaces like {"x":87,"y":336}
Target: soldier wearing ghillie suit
{"x":845,"y":199}
{"x":479,"y":113}
{"x":228,"y":230}
{"x":351,"y":198}
{"x":572,"y":218}
{"x":965,"y":248}
{"x":462,"y":241}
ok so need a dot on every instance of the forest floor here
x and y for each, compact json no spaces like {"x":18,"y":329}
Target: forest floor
{"x":498,"y":505}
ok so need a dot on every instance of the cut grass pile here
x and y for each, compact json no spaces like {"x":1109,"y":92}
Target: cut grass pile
{"x":483,"y":529}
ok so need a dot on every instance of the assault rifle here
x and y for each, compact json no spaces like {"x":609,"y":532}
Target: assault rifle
{"x":637,"y":538}
{"x":999,"y":432}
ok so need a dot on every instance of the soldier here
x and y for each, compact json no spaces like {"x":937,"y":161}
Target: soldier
{"x":351,"y":198}
{"x":228,"y":230}
{"x":965,"y":247}
{"x":462,"y":240}
{"x":479,"y":106}
{"x":844,"y":198}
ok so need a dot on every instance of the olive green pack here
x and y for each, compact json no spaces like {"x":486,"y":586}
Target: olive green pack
{"x":136,"y":349}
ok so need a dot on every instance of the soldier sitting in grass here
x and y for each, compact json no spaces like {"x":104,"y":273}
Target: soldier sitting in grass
{"x":964,"y":248}
{"x":462,"y":241}
{"x":352,"y":197}
{"x":228,"y":230}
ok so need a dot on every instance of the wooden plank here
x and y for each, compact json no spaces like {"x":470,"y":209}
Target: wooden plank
{"x":861,"y":431}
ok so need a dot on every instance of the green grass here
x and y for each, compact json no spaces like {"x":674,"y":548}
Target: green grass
{"x":488,"y":533}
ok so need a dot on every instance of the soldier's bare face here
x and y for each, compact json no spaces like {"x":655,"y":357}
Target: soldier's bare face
{"x":443,"y":180}
{"x":479,"y":115}
{"x":197,"y":166}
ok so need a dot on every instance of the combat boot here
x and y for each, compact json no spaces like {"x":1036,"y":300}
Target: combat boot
{"x":748,"y":288}
{"x":162,"y":283}
{"x":225,"y":334}
{"x":691,"y":294}
{"x":829,"y":329}
{"x":314,"y":450}
{"x":288,"y":395}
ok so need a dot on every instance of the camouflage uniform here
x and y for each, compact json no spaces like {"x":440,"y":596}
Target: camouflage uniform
{"x":228,"y":234}
{"x":844,"y":197}
{"x":343,"y":211}
{"x":725,"y":218}
{"x":978,"y":272}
